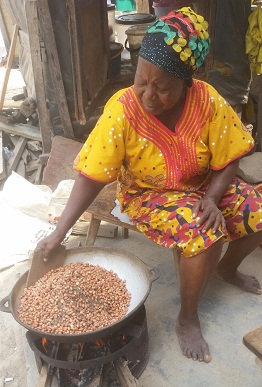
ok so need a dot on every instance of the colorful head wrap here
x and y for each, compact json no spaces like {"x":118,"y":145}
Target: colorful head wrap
{"x":178,"y":43}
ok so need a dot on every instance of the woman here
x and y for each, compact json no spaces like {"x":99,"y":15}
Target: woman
{"x":173,"y":143}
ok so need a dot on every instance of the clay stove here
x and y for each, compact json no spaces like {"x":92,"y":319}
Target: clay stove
{"x":116,"y":360}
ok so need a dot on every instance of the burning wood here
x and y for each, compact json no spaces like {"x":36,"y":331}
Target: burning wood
{"x":124,"y":374}
{"x":116,"y":360}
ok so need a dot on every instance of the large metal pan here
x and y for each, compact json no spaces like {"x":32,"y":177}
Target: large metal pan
{"x":138,"y":277}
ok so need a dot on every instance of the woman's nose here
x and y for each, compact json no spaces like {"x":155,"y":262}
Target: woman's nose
{"x":150,"y":93}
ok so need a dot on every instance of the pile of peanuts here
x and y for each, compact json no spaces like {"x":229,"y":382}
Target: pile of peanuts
{"x":76,"y":298}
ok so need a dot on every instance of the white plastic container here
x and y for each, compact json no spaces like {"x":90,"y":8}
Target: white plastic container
{"x":135,"y":35}
{"x":123,"y":22}
{"x":111,"y":21}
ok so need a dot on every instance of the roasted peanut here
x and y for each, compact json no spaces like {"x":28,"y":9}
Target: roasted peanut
{"x":76,"y":298}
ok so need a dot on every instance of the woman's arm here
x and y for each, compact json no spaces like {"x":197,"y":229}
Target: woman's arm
{"x":211,"y":216}
{"x":83,"y":193}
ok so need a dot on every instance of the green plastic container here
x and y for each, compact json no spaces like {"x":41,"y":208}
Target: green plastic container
{"x":126,"y":5}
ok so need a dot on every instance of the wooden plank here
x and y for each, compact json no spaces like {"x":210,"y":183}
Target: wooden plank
{"x":105,"y":230}
{"x":2,"y":159}
{"x":94,"y":48}
{"x":55,"y":68}
{"x":142,"y":6}
{"x":26,"y":156}
{"x":10,"y":104}
{"x":9,"y":64}
{"x":17,"y":153}
{"x":45,"y":379}
{"x":35,"y":50}
{"x":21,"y":168}
{"x":39,"y":174}
{"x":253,"y":341}
{"x":39,"y":268}
{"x":23,"y":130}
{"x":124,"y":374}
{"x":31,"y":166}
{"x":76,"y":64}
{"x":31,"y":177}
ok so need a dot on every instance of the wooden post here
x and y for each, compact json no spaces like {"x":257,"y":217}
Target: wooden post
{"x":55,"y":68}
{"x":34,"y":40}
{"x":9,"y":65}
{"x":142,"y":6}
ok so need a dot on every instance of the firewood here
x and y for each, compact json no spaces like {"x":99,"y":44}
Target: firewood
{"x":124,"y":374}
{"x":17,"y":153}
{"x":44,"y":378}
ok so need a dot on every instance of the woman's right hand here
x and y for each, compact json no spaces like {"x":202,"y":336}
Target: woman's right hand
{"x":83,"y":193}
{"x":50,"y":246}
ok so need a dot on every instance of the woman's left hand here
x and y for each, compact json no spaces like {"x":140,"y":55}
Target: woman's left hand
{"x":211,"y":217}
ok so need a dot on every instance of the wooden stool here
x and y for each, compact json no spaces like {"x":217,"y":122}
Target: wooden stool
{"x":253,"y":341}
{"x":101,"y":209}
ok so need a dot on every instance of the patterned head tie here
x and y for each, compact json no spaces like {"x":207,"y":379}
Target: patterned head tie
{"x":177,"y":43}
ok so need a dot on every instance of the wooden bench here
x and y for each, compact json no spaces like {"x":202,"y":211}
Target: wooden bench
{"x":253,"y":341}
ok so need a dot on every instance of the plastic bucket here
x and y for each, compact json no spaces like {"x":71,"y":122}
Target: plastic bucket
{"x":163,"y":7}
{"x":123,"y":22}
{"x":125,"y":5}
{"x":115,"y":55}
{"x":134,"y":39}
{"x":111,"y":20}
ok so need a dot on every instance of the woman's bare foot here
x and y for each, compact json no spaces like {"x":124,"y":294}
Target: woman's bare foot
{"x":191,"y":340}
{"x":245,"y":282}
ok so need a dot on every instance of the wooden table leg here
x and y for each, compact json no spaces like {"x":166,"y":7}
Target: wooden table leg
{"x":92,"y":231}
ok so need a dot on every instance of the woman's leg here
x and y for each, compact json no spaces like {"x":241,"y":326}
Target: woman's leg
{"x":235,"y":254}
{"x":194,"y":275}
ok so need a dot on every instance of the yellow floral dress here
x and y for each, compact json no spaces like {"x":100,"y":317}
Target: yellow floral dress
{"x":162,"y":173}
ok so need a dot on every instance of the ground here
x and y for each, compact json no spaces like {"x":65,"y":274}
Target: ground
{"x":227,"y":314}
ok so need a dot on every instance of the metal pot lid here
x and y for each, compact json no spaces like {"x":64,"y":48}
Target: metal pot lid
{"x":135,"y":18}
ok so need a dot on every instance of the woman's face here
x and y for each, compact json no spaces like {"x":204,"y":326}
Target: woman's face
{"x":156,"y":90}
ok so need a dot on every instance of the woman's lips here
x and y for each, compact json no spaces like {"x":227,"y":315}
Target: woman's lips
{"x":151,"y":107}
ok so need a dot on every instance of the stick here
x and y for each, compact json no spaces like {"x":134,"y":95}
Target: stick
{"x":9,"y":64}
{"x":44,"y":378}
{"x":124,"y":374}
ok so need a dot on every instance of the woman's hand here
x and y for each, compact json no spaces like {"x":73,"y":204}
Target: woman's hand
{"x":50,"y":246}
{"x":211,"y":217}
{"x":83,"y":193}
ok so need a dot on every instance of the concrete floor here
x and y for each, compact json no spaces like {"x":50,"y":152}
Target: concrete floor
{"x":227,"y":313}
